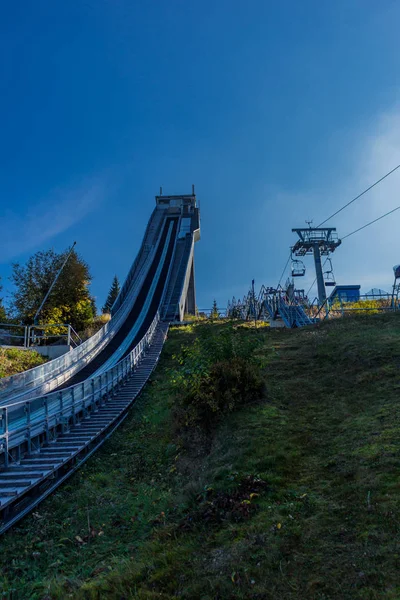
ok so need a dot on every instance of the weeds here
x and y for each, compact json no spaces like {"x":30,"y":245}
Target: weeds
{"x":14,"y":361}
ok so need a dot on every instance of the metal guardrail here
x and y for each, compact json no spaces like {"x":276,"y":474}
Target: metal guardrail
{"x":154,"y":223}
{"x":38,"y":335}
{"x":25,"y":420}
{"x":13,"y":335}
{"x":26,"y":336}
{"x":57,"y":371}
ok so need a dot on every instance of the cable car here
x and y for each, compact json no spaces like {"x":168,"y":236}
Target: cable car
{"x":298,"y":268}
{"x":328,"y":275}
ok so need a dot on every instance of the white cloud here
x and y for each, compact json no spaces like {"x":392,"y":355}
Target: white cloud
{"x":49,"y":217}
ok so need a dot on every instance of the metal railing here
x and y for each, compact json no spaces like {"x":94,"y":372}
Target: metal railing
{"x":153,"y":227}
{"x":54,"y":373}
{"x":27,"y":336}
{"x":13,"y":335}
{"x":26,"y":420}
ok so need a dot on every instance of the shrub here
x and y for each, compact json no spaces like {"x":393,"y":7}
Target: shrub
{"x":227,"y":386}
{"x":219,"y":372}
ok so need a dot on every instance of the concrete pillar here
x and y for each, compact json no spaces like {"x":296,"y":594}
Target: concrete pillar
{"x":191,"y":293}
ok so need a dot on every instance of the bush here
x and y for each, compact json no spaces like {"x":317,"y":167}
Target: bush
{"x":218,"y":373}
{"x":228,"y":385}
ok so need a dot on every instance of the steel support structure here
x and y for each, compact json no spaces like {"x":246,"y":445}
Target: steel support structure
{"x":319,"y":274}
{"x":319,"y":241}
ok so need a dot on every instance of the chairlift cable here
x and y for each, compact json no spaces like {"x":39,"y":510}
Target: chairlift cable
{"x":284,"y":270}
{"x":359,"y":195}
{"x":312,"y":285}
{"x":371,"y":222}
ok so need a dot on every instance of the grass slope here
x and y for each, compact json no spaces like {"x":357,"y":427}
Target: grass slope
{"x":14,"y":361}
{"x":294,"y":497}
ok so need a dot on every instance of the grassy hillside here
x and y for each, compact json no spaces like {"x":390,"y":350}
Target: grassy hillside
{"x":14,"y":361}
{"x":294,"y":496}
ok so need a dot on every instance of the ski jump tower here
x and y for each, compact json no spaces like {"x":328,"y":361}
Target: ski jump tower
{"x":167,"y":255}
{"x":180,"y":293}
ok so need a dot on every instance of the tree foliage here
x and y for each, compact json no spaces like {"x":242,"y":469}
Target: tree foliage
{"x":112,"y":295}
{"x":69,"y":301}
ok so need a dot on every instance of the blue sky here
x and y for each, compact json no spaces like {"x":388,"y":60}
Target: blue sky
{"x":278,"y":112}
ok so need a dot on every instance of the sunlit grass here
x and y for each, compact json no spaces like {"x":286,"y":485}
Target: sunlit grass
{"x":14,"y":361}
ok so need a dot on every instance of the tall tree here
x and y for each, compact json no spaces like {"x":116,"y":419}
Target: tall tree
{"x":112,"y":295}
{"x":70,"y":300}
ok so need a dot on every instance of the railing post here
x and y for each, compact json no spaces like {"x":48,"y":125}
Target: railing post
{"x":28,"y":426}
{"x":73,"y":414}
{"x":114,"y":385}
{"x":61,"y":401}
{"x":93,"y":395}
{"x":101,"y":392}
{"x":83,"y":400}
{"x":4,"y":430}
{"x":69,"y":335}
{"x":107,"y":386}
{"x":46,"y":413}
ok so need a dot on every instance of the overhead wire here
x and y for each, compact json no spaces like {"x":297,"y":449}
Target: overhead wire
{"x":356,"y":231}
{"x":359,"y":195}
{"x":312,"y":285}
{"x":285,"y":267}
{"x":371,"y":222}
{"x":360,"y":228}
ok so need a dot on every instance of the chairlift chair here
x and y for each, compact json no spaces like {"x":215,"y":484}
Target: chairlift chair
{"x":329,"y":276}
{"x":298,"y":268}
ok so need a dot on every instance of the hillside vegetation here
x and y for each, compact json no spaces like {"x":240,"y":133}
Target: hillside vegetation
{"x":289,"y":489}
{"x":14,"y":361}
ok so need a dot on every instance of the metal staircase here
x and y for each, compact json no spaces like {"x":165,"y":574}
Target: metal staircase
{"x":25,"y":483}
{"x":53,"y":417}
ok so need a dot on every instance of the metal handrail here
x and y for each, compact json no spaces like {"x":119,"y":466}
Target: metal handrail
{"x":156,"y":224}
{"x":62,"y":368}
{"x":26,"y":419}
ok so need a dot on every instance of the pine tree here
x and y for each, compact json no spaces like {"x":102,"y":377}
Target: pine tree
{"x":112,"y":295}
{"x":214,"y":311}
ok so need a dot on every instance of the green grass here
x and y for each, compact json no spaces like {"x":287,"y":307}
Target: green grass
{"x":14,"y":361}
{"x":294,"y":497}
